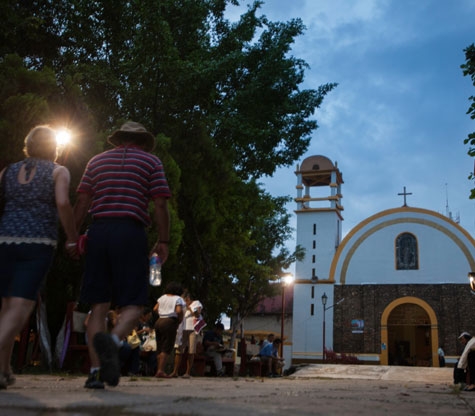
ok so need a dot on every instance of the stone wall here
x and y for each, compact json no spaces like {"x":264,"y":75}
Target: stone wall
{"x":454,"y":306}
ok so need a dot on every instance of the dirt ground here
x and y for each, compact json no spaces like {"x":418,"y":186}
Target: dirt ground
{"x":313,"y":390}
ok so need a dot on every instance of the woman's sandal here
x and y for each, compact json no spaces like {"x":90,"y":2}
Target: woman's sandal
{"x":6,"y":380}
{"x":10,"y":379}
{"x":162,"y":375}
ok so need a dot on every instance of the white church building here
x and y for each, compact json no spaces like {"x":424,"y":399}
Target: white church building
{"x":396,"y":285}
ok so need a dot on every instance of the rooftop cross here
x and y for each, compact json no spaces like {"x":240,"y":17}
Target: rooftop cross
{"x":405,"y":193}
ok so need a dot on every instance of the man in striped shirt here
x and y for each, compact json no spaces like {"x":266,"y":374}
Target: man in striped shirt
{"x":116,"y":188}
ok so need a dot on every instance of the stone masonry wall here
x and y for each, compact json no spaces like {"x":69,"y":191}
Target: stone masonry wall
{"x":454,"y":306}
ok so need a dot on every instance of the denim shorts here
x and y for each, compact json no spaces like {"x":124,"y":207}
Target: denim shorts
{"x":116,"y":264}
{"x":23,"y":268}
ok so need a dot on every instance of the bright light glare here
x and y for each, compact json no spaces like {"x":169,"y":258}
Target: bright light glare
{"x":471,"y":278}
{"x":288,"y":278}
{"x":63,"y":137}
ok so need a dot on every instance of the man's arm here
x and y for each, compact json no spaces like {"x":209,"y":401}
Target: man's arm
{"x":81,"y":207}
{"x":65,"y":212}
{"x":162,"y":219}
{"x":180,"y":312}
{"x":210,"y":340}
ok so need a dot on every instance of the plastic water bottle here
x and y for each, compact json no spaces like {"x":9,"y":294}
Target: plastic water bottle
{"x":155,"y":276}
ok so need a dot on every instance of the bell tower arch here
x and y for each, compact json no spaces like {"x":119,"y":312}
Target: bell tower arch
{"x":319,"y":215}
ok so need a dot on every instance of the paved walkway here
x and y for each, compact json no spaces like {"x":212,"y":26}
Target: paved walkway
{"x":312,"y":390}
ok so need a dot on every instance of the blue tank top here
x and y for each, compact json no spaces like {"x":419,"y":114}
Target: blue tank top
{"x":30,"y":214}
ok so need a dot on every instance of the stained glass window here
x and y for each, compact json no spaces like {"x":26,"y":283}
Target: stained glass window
{"x":406,"y":252}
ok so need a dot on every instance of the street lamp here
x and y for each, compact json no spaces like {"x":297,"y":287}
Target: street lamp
{"x":324,"y":303}
{"x":286,"y":280}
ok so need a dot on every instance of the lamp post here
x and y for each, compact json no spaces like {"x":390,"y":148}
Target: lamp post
{"x":325,"y":308}
{"x":324,"y":303}
{"x":287,"y":279}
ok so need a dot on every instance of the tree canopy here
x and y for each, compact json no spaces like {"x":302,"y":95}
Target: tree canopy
{"x":224,"y":98}
{"x":469,"y":69}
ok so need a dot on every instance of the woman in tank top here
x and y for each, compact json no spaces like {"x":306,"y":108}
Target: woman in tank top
{"x":36,"y":192}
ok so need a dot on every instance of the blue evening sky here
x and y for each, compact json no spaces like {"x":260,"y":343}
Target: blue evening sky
{"x":398,"y":116}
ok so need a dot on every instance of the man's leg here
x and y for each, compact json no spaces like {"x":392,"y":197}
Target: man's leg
{"x":176,"y":363}
{"x":107,"y":345}
{"x":471,"y":370}
{"x":192,"y":343}
{"x":189,"y":364}
{"x":267,"y":361}
{"x":128,"y":319}
{"x":218,"y":361}
{"x":134,"y":362}
{"x":103,"y":350}
{"x":96,"y":324}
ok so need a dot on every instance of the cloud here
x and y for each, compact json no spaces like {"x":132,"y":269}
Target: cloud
{"x":398,"y":116}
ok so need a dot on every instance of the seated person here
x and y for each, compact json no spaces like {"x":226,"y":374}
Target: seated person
{"x":129,"y":354}
{"x":148,"y":358}
{"x":213,"y":346}
{"x":466,"y":362}
{"x":269,"y":340}
{"x":269,"y":354}
{"x":145,"y":325}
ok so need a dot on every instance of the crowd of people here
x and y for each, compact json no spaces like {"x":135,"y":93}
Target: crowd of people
{"x":170,"y":327}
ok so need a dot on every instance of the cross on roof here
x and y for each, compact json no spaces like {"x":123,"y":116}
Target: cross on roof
{"x":405,"y":193}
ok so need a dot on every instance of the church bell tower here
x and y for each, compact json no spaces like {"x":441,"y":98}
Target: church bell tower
{"x":319,"y":232}
{"x":318,"y":216}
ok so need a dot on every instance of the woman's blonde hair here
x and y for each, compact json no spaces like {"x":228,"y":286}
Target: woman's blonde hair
{"x":40,"y":143}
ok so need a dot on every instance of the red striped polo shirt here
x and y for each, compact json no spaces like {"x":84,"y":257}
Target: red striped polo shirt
{"x":122,"y":181}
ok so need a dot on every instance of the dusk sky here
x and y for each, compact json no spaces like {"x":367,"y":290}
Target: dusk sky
{"x":398,"y":116}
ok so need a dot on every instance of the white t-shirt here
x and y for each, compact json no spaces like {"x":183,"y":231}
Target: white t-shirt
{"x":167,"y":304}
{"x":189,"y":314}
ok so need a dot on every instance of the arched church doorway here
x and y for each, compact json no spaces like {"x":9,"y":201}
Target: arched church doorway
{"x":409,"y":333}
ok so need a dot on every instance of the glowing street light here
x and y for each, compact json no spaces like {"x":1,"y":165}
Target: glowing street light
{"x":287,"y":279}
{"x":63,"y":137}
{"x":471,"y":280}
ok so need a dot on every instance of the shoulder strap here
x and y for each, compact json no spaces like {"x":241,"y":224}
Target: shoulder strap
{"x":2,"y":183}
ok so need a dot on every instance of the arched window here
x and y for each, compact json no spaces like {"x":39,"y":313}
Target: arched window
{"x":406,"y":252}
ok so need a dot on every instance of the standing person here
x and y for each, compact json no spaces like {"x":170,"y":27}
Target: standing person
{"x":441,"y":354}
{"x":116,"y":188}
{"x":36,"y":194}
{"x":170,"y":308}
{"x":190,"y":337}
{"x":179,"y":346}
{"x":467,"y":359}
{"x":193,"y":332}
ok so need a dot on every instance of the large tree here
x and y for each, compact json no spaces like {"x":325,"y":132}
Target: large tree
{"x":469,"y":69}
{"x":224,"y":97}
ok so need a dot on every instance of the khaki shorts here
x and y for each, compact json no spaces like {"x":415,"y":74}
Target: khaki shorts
{"x":190,"y":340}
